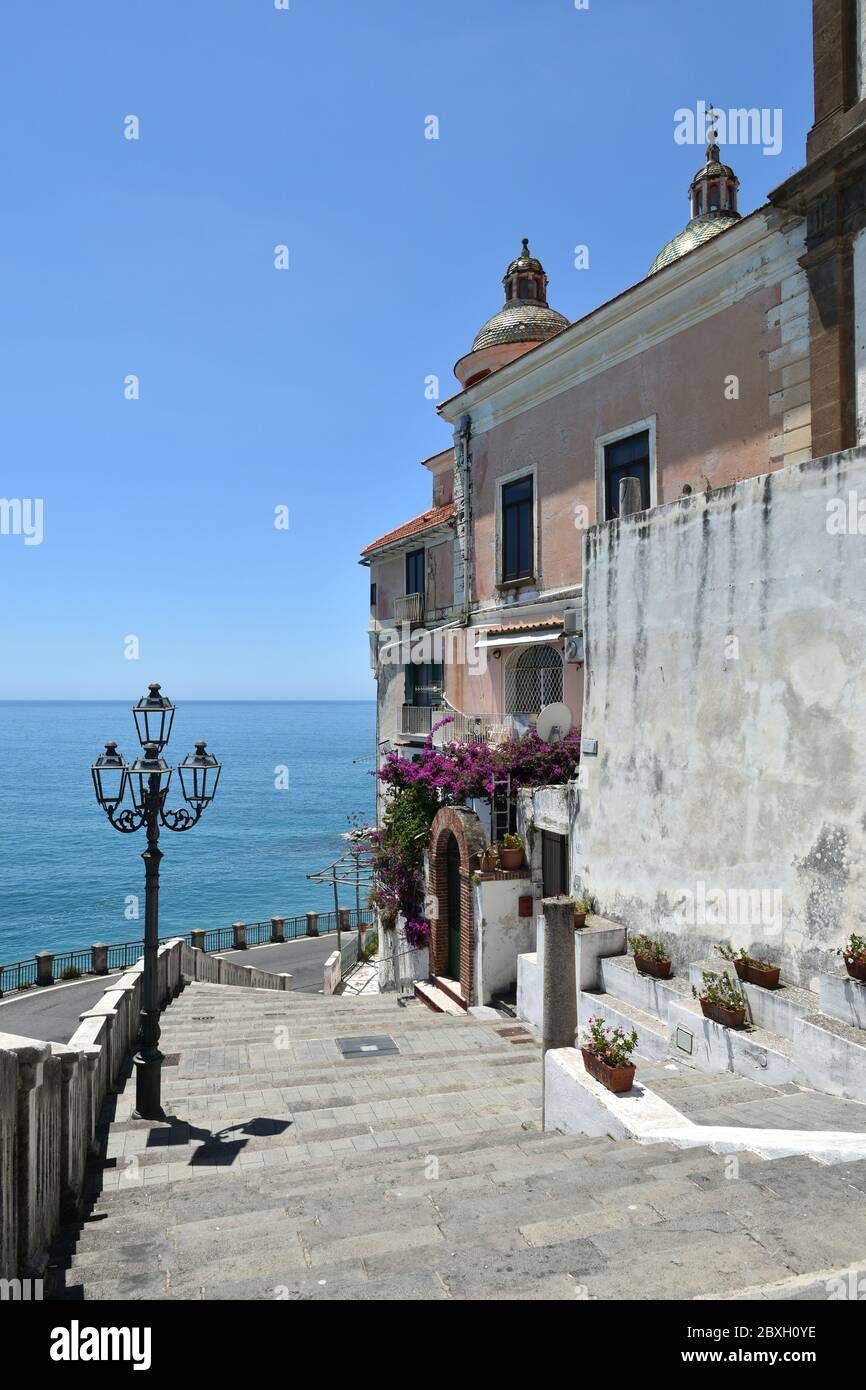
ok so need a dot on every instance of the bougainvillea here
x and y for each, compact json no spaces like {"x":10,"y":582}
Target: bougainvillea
{"x":449,"y":776}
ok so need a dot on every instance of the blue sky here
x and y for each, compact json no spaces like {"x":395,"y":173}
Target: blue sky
{"x":305,"y":387}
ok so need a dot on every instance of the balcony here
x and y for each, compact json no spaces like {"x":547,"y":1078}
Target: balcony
{"x":417,"y":720}
{"x":409,"y":608}
{"x":471,"y":728}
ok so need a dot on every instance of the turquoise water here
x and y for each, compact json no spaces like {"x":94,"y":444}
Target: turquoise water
{"x":66,"y":873}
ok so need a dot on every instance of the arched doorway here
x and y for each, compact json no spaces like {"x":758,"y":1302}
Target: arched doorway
{"x":456,"y":837}
{"x":452,"y":858}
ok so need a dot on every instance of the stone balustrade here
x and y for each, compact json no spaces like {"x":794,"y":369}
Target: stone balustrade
{"x":51,"y":1096}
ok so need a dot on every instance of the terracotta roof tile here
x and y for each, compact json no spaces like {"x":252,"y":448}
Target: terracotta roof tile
{"x":436,"y":516}
{"x":543,"y":624}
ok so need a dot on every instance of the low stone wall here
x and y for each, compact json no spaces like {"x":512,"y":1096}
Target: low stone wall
{"x":398,"y":964}
{"x":51,"y":1095}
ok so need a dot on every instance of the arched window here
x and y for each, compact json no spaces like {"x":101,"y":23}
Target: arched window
{"x":533,"y":679}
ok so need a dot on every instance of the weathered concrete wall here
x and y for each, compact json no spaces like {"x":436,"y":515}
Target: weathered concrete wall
{"x":726,"y":687}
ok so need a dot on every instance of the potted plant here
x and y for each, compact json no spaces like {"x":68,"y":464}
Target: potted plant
{"x":751,"y":968}
{"x":607,"y":1055}
{"x":721,"y":1000}
{"x":511,"y":852}
{"x":582,"y":908}
{"x":650,"y":957}
{"x":854,"y":955}
{"x":489,"y":860}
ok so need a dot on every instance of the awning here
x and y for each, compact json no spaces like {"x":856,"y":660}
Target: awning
{"x":518,"y":639}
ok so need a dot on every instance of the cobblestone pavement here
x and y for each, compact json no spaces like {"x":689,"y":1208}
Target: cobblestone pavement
{"x":286,"y":1170}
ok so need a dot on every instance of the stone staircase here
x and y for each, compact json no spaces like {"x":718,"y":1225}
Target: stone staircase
{"x":815,"y":1038}
{"x":287,"y":1170}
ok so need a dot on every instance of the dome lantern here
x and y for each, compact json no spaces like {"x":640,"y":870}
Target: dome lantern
{"x":713,"y":195}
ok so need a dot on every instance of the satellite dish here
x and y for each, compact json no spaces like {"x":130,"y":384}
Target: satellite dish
{"x":553,"y":723}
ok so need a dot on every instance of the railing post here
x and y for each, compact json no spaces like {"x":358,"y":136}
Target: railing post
{"x":278,"y":929}
{"x":240,"y":935}
{"x":99,"y":958}
{"x":559,"y":1021}
{"x":197,"y":938}
{"x":45,"y":967}
{"x":312,"y":923}
{"x":345,"y":919}
{"x":1,"y":979}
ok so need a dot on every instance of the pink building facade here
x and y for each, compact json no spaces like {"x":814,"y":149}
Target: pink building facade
{"x":694,"y":378}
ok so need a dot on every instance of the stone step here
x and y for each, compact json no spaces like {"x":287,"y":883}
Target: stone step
{"x":711,"y":1047}
{"x":437,"y":1000}
{"x":652,"y":1034}
{"x":451,"y":988}
{"x":843,"y":998}
{"x":831,"y":1056}
{"x":776,"y":1010}
{"x":621,"y":977}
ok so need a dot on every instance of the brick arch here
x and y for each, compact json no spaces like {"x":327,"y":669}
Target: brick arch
{"x":468,"y":831}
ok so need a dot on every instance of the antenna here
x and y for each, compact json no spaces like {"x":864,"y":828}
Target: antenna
{"x":553,"y":723}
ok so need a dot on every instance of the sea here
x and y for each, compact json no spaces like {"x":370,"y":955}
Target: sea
{"x":296,"y":775}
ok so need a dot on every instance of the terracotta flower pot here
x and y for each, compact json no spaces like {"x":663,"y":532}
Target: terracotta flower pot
{"x":511,"y":858}
{"x":489,"y":861}
{"x":767,"y":978}
{"x":579,"y":919}
{"x":741,"y":968}
{"x":856,"y":969}
{"x":660,"y":969}
{"x":719,"y":1013}
{"x":614,"y":1078}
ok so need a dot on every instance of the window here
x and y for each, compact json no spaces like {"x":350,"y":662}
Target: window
{"x":373,"y":597}
{"x":424,"y":684}
{"x":415,"y":572}
{"x":626,"y":458}
{"x":533,"y":679}
{"x":517,"y":547}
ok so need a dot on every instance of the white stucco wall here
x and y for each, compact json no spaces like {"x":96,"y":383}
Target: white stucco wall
{"x":726,"y":687}
{"x":501,"y":934}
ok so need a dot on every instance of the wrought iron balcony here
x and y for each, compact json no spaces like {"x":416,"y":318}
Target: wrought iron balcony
{"x":409,"y":608}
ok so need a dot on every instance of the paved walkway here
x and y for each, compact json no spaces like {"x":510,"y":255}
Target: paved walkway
{"x":286,"y":1170}
{"x":52,"y":1014}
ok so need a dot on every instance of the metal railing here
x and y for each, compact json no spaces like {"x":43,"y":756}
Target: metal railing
{"x":409,"y":608}
{"x":470,"y":728}
{"x":417,"y":719}
{"x":22,"y":974}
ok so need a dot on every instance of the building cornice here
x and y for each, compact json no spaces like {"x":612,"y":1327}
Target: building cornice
{"x":759,"y":250}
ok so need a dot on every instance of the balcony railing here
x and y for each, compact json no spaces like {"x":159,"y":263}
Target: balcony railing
{"x":409,"y":608}
{"x":417,"y":719}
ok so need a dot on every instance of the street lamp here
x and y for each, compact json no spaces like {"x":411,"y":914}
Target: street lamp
{"x":146,"y":781}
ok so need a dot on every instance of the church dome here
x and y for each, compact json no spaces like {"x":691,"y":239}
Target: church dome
{"x":520,"y":323}
{"x":713,"y":194}
{"x":695,"y":233}
{"x":525,"y":319}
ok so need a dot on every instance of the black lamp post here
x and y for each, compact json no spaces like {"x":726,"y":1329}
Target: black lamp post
{"x":147,"y":781}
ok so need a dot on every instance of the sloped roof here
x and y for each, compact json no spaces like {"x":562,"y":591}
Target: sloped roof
{"x":427,"y":521}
